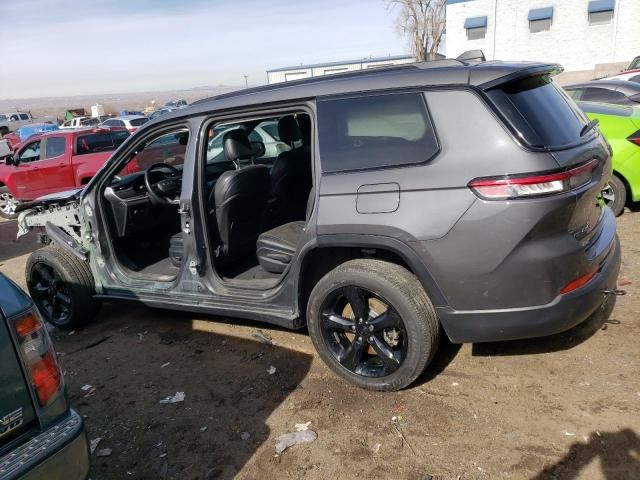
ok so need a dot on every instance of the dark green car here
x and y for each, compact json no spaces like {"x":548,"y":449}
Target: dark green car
{"x":41,"y":438}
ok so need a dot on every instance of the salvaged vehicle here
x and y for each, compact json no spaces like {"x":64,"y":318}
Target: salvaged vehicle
{"x":23,"y":133}
{"x":620,"y":125}
{"x":11,"y":121}
{"x":40,"y":436}
{"x":448,"y":196}
{"x":52,"y":162}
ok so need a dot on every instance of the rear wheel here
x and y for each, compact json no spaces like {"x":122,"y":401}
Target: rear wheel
{"x":8,"y":204}
{"x":615,"y":194}
{"x":373,"y":324}
{"x":62,"y":287}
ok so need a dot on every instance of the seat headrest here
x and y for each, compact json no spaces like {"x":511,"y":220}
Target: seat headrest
{"x":289,"y":130}
{"x":304,"y":121}
{"x":236,"y":145}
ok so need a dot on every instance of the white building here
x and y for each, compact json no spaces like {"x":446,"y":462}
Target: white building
{"x":581,"y":35}
{"x":286,"y":74}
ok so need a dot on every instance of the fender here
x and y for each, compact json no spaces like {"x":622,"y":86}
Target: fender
{"x":403,"y":249}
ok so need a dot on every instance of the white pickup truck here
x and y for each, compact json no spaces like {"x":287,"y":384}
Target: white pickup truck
{"x":10,"y":121}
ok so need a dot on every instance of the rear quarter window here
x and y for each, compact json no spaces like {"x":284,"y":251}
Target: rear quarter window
{"x":136,"y":122}
{"x":542,"y":114}
{"x":374,"y":132}
{"x":99,"y":142}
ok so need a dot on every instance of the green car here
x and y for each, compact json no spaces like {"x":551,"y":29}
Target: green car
{"x":620,"y":125}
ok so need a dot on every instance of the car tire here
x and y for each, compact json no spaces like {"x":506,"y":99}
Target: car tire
{"x":415,"y":337}
{"x":62,"y":287}
{"x":7,"y":204}
{"x":615,"y":195}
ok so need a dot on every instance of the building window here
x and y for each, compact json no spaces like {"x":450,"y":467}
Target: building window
{"x":476,"y":27}
{"x":540,"y":19}
{"x":476,"y":33}
{"x":601,"y":12}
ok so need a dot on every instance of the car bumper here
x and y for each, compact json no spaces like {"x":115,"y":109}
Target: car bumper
{"x":58,"y":453}
{"x":563,"y":313}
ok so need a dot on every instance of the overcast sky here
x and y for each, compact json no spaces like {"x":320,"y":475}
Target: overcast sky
{"x":69,"y":47}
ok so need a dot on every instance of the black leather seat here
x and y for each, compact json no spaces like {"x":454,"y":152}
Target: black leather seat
{"x":276,"y":247}
{"x":240,"y":200}
{"x":291,"y":178}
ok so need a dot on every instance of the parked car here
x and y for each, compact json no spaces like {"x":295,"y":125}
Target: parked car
{"x":627,"y":76}
{"x":40,"y":435}
{"x":125,"y":113}
{"x":162,"y":111}
{"x":442,"y":198}
{"x":130,"y":122}
{"x":265,"y":132}
{"x":617,"y":92}
{"x":11,"y":121}
{"x":23,"y":133}
{"x":620,"y":125}
{"x":79,"y":122}
{"x":53,"y":162}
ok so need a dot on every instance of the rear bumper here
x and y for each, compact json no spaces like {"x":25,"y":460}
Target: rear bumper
{"x":58,"y":453}
{"x":563,"y":313}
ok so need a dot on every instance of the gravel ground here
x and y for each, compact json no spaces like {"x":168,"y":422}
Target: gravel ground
{"x":564,"y":407}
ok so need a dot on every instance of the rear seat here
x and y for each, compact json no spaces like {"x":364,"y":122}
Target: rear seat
{"x":276,"y":247}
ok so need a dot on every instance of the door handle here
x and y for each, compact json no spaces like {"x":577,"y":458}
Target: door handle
{"x":61,"y":164}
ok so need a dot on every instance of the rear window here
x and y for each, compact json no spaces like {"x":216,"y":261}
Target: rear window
{"x":541,"y":113}
{"x":99,"y":142}
{"x":138,"y":121}
{"x":374,"y":132}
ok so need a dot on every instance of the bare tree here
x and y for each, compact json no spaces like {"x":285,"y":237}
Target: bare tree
{"x":423,"y":22}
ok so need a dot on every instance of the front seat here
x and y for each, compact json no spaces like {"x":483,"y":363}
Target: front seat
{"x":240,"y":199}
{"x":291,"y":179}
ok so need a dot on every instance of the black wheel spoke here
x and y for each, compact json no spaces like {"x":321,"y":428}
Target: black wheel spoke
{"x":43,"y":272}
{"x":338,"y":323}
{"x":388,"y":319}
{"x":390,"y":358}
{"x":63,"y":298}
{"x":352,"y":355}
{"x":358,"y":301}
{"x":39,"y":289}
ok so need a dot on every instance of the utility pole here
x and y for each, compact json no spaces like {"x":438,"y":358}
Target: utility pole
{"x":246,"y":84}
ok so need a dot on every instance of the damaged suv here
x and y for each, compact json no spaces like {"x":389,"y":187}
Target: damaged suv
{"x":404,"y":202}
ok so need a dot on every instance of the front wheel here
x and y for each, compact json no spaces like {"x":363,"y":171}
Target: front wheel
{"x":615,"y":195}
{"x":8,"y":204}
{"x":62,"y":287}
{"x":373,"y":324}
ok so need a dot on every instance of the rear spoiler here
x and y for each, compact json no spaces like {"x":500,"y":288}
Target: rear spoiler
{"x":527,"y":71}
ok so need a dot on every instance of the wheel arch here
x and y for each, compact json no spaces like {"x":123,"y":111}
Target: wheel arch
{"x":332,"y":250}
{"x":632,"y":194}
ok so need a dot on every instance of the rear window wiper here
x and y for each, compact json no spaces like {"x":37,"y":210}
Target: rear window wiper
{"x":589,"y":126}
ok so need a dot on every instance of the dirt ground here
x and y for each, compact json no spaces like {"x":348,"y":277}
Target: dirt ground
{"x":562,"y":407}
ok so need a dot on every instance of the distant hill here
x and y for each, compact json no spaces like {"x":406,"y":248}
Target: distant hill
{"x":112,"y":102}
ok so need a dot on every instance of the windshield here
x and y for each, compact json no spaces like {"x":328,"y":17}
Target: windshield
{"x":136,"y":122}
{"x":541,"y":113}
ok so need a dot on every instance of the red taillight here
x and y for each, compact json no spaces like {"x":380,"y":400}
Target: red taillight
{"x":533,"y":185}
{"x":635,"y":138}
{"x":39,"y":357}
{"x":578,"y":282}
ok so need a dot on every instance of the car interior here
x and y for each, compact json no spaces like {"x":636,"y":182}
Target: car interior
{"x":256,"y":190}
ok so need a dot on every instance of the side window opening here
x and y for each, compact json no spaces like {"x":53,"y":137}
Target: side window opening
{"x":31,"y":153}
{"x":375,"y":131}
{"x":55,"y":147}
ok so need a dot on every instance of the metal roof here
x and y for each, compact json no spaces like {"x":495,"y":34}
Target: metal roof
{"x":344,"y":62}
{"x":596,"y":6}
{"x":540,"y":13}
{"x":414,"y":75}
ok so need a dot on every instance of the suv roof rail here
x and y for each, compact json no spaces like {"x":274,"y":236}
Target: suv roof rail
{"x":472,"y":56}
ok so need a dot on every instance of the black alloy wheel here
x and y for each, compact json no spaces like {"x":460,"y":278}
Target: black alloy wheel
{"x":363,"y":331}
{"x":51,"y":294}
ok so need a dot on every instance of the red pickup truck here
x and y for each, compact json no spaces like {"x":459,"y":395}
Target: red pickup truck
{"x":53,"y":162}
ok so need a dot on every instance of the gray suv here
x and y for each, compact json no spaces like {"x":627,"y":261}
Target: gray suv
{"x":446,"y":197}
